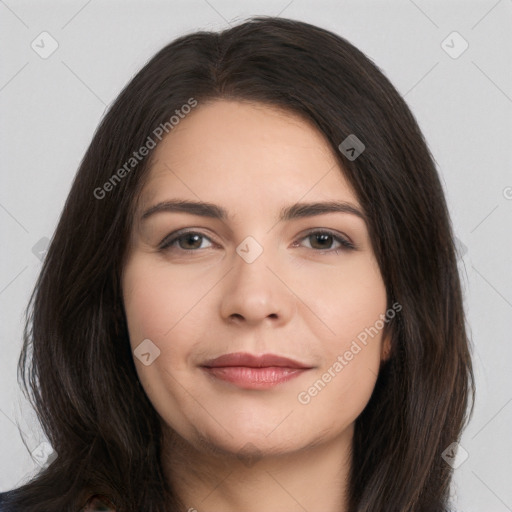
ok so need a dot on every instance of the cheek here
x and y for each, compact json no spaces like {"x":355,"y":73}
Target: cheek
{"x":151,"y":307}
{"x":351,"y":306}
{"x":163,"y":305}
{"x":157,"y":298}
{"x":360,"y":324}
{"x":163,"y":314}
{"x":347,"y":300}
{"x":341,"y":388}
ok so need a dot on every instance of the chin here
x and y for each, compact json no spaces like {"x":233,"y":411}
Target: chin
{"x":247,"y":444}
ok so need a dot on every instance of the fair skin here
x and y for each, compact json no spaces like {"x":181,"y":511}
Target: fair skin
{"x":304,"y":297}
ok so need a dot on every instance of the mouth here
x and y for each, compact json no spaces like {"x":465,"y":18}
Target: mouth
{"x":248,"y":371}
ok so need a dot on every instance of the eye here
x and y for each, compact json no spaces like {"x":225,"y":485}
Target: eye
{"x":191,"y":241}
{"x":322,"y":240}
{"x":186,"y":241}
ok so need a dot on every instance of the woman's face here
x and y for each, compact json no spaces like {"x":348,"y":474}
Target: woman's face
{"x":259,"y":279}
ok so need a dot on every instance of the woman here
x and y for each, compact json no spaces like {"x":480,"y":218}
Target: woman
{"x":251,"y":301}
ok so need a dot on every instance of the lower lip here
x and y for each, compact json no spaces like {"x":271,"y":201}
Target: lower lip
{"x":255,"y":378}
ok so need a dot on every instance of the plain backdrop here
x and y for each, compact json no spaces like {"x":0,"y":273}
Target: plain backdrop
{"x":461,"y":97}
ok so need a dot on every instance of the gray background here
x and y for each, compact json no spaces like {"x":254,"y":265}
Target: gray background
{"x":51,"y":107}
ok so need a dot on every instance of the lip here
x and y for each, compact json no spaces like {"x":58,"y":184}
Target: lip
{"x":250,"y":371}
{"x":253,"y":361}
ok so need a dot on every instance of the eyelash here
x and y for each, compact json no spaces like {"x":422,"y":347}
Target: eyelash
{"x":168,"y":242}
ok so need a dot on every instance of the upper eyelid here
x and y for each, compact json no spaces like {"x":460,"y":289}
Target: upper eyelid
{"x":172,"y":237}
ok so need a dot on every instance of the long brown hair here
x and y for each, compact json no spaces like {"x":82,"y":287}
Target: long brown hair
{"x":76,"y":364}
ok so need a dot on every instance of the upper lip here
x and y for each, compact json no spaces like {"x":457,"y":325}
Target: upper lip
{"x":253,"y":361}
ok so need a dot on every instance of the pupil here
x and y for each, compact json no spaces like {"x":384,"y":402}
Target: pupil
{"x":318,"y":238}
{"x":189,"y":238}
{"x":324,"y":237}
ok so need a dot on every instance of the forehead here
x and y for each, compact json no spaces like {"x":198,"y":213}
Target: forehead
{"x":245,"y":152}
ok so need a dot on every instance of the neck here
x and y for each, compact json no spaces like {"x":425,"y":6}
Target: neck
{"x":209,"y":479}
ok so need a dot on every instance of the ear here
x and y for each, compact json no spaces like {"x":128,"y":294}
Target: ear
{"x":385,"y":347}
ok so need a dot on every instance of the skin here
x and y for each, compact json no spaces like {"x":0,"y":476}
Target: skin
{"x":228,"y":448}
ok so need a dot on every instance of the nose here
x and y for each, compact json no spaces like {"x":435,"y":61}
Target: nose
{"x":257,"y":292}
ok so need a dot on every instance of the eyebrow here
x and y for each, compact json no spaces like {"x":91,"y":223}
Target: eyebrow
{"x":294,"y":211}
